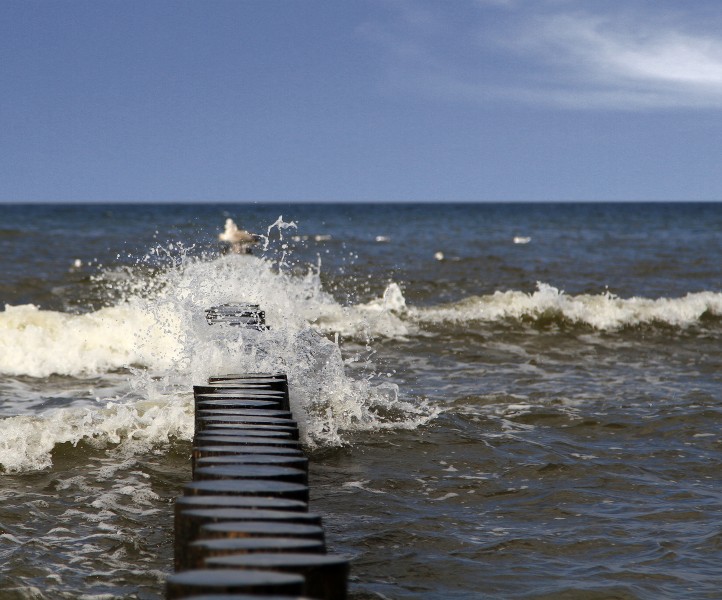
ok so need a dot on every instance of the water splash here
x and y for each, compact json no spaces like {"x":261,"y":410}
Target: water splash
{"x":158,"y":332}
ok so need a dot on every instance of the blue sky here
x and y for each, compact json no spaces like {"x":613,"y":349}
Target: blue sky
{"x":363,"y":100}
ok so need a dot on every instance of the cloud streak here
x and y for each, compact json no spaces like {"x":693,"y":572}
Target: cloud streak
{"x":558,"y":56}
{"x":615,"y":63}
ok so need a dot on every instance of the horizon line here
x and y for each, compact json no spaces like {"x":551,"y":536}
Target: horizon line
{"x":357,"y":202}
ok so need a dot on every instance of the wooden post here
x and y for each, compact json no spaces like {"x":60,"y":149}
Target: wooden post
{"x":243,"y":529}
{"x":189,"y":521}
{"x":298,"y":462}
{"x":271,"y":472}
{"x":325,"y":574}
{"x":267,"y":396}
{"x":248,"y":376}
{"x":258,"y":402}
{"x":249,"y":429}
{"x":219,"y":417}
{"x":209,"y":439}
{"x":200,"y":550}
{"x":232,"y":387}
{"x":247,"y":502}
{"x":248,"y":390}
{"x":231,"y":581}
{"x":248,"y":412}
{"x":247,"y":487}
{"x":276,"y":383}
{"x":242,"y":428}
{"x":201,"y":450}
{"x":250,"y":393}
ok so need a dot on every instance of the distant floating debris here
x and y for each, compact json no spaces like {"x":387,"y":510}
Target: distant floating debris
{"x":383,"y":238}
{"x":518,"y":239}
{"x":439,"y":256}
{"x":315,"y":238}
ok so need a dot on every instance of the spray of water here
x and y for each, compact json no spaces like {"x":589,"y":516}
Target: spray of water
{"x":157,"y":332}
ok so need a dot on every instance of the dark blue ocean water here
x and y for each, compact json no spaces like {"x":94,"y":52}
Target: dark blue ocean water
{"x":500,"y":400}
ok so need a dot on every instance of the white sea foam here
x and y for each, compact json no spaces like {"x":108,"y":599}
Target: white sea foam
{"x":39,"y":343}
{"x":26,"y":442}
{"x":161,"y":335}
{"x":605,"y":312}
{"x":382,"y":316}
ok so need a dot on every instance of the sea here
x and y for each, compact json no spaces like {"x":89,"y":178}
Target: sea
{"x":499,"y":400}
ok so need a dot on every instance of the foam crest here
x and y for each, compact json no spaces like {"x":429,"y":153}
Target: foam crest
{"x":379,"y":317}
{"x":605,"y":312}
{"x":26,"y":442}
{"x":39,"y":342}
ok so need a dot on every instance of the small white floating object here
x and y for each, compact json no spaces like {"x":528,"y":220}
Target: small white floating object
{"x":322,"y":238}
{"x":383,"y":238}
{"x":77,"y":263}
{"x":518,"y":239}
{"x":439,"y":256}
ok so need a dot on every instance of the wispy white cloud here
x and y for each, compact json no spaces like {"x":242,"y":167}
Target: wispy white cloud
{"x":622,"y":63}
{"x":557,"y":56}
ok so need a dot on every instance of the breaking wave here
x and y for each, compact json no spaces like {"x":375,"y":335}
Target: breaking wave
{"x":604,"y":312}
{"x":159,"y":336}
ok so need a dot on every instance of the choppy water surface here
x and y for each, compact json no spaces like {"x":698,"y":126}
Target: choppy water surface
{"x":500,"y":401}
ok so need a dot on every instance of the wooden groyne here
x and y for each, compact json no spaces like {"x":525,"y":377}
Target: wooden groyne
{"x":243,"y":528}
